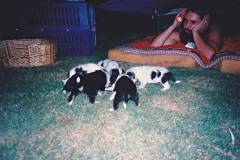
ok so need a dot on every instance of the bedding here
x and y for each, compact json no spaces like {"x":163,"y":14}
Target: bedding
{"x":140,"y":52}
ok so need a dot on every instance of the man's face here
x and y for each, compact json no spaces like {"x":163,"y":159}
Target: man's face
{"x":191,"y":19}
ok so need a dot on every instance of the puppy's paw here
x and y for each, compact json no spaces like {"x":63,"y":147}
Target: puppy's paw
{"x":70,"y":103}
{"x":165,"y":88}
{"x":100,"y":93}
{"x":80,"y":89}
{"x":112,"y":96}
{"x":109,"y":88}
{"x":112,"y":110}
{"x":96,"y":102}
{"x":125,"y":105}
{"x":141,"y":86}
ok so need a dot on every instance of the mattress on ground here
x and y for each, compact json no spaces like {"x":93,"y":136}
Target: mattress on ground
{"x":151,"y":59}
{"x":231,"y":44}
{"x":228,"y":60}
{"x":230,"y":66}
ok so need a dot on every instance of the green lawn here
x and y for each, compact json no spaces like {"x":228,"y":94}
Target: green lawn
{"x":193,"y":120}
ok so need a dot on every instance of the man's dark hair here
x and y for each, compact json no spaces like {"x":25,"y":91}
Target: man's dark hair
{"x":199,"y":7}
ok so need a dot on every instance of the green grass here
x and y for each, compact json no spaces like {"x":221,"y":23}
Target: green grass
{"x":190,"y":121}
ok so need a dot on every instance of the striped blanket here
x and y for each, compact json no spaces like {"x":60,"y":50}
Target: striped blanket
{"x":218,"y":57}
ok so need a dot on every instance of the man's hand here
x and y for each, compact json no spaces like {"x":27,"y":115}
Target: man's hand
{"x":201,"y":26}
{"x":179,"y":18}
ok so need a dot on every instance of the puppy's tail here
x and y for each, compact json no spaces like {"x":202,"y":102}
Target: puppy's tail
{"x":178,"y":81}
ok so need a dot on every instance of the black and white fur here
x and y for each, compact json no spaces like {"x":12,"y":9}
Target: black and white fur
{"x":89,"y":84}
{"x":113,"y":69}
{"x":92,"y":83}
{"x":108,"y":64}
{"x":72,"y":86}
{"x":84,"y":69}
{"x":124,"y":90}
{"x":151,"y":74}
{"x":113,"y":75}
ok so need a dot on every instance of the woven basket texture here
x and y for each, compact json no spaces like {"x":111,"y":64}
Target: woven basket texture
{"x":27,"y":52}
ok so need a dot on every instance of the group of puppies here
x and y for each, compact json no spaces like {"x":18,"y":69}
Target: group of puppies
{"x":107,"y":75}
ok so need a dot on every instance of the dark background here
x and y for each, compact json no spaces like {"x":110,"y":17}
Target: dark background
{"x":117,"y":25}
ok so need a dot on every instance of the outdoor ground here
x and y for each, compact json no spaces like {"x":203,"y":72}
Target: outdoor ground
{"x":196,"y":119}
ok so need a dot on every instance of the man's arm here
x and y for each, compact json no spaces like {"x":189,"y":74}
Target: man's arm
{"x":202,"y":46}
{"x":213,"y":42}
{"x":215,"y":38}
{"x":168,"y":36}
{"x":161,"y":38}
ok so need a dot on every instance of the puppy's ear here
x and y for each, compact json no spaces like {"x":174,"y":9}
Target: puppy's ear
{"x":131,"y":74}
{"x":78,"y":80}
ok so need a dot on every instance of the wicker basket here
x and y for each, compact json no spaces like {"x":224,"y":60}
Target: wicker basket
{"x":27,"y":52}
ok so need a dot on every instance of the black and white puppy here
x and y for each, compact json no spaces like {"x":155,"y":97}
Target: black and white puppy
{"x":113,"y":69}
{"x":124,"y":90}
{"x":108,"y":64}
{"x":151,"y":74}
{"x":81,"y":69}
{"x":72,"y":86}
{"x":89,"y":84}
{"x":92,"y":83}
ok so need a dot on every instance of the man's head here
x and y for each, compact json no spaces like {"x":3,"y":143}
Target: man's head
{"x":194,"y":15}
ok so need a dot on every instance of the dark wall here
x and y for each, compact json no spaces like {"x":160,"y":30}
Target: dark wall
{"x":8,"y":19}
{"x":118,"y":25}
